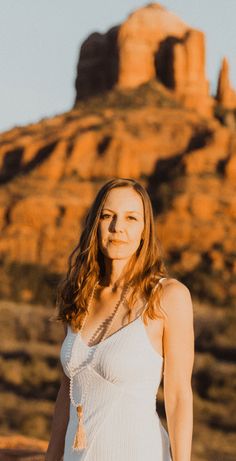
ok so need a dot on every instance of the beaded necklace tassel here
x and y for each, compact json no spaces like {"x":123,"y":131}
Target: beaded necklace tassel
{"x":80,"y":440}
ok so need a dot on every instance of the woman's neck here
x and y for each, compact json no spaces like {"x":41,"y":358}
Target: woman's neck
{"x":113,"y":273}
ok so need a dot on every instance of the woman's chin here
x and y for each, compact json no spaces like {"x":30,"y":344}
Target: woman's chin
{"x":117,"y":254}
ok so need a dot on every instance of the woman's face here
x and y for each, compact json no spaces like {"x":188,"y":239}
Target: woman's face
{"x":121,"y":223}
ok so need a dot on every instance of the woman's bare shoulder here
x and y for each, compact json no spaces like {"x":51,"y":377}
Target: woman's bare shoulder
{"x":175,"y":294}
{"x":173,"y":284}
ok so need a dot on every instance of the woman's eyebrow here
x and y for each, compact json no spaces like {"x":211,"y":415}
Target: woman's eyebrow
{"x":131,"y":211}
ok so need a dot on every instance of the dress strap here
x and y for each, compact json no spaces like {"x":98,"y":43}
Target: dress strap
{"x":163,"y":278}
{"x":145,"y":306}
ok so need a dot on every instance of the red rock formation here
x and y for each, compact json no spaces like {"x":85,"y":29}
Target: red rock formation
{"x":226,"y":95}
{"x":52,"y":170}
{"x":189,"y":72}
{"x":139,"y":40}
{"x":153,"y":43}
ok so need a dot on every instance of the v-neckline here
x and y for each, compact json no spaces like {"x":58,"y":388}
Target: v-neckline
{"x":118,"y":331}
{"x":156,"y":353}
{"x":110,"y":336}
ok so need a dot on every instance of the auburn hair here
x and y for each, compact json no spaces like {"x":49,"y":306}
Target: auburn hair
{"x":86,"y":263}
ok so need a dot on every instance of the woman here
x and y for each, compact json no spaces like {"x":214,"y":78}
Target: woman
{"x":126,"y":324}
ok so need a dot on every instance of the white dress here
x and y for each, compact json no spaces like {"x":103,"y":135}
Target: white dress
{"x":120,"y":415}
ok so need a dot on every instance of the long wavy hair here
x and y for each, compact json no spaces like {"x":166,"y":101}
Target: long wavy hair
{"x":86,"y":263}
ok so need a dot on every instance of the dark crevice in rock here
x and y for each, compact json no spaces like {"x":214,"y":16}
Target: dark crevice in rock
{"x":220,"y":167}
{"x":168,"y":177}
{"x":200,"y":139}
{"x":164,"y":59}
{"x":103,"y":145}
{"x":11,"y":165}
{"x":61,"y":214}
{"x":42,"y":155}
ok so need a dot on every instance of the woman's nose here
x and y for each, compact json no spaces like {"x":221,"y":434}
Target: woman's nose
{"x":117,"y":224}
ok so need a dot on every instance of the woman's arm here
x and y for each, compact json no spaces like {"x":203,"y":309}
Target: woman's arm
{"x":60,"y":421}
{"x":178,"y":342}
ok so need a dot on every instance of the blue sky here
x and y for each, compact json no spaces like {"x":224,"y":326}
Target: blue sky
{"x":40,"y":42}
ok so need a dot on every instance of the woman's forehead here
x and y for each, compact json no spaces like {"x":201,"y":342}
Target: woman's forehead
{"x":125,"y":199}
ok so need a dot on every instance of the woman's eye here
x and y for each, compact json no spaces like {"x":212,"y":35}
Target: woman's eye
{"x":132,"y":217}
{"x":105,"y":215}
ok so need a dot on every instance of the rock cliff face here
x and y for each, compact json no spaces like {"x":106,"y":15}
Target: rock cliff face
{"x":50,"y":172}
{"x":152,"y":43}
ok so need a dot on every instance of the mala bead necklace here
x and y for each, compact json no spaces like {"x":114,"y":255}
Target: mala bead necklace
{"x":80,"y":439}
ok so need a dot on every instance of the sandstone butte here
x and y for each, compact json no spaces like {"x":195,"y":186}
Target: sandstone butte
{"x":142,"y":110}
{"x":153,"y":43}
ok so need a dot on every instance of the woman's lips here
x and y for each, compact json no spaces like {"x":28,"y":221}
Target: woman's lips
{"x":117,"y":242}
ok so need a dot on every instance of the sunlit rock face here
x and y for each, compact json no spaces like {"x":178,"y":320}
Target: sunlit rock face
{"x":51,"y":171}
{"x":226,"y":95}
{"x":153,"y":43}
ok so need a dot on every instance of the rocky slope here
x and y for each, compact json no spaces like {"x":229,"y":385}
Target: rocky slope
{"x":50,"y":173}
{"x":21,"y":448}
